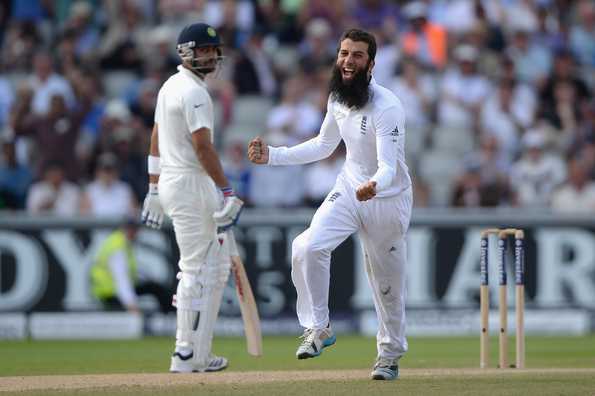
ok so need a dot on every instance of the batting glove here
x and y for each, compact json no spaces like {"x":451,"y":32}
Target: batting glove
{"x":228,"y":216}
{"x":152,"y":214}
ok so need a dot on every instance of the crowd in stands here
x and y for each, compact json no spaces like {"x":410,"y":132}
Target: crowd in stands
{"x":498,"y":96}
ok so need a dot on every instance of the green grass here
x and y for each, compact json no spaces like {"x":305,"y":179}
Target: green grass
{"x":151,"y":355}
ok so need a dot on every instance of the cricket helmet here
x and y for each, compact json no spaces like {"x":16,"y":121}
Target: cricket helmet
{"x":194,"y":36}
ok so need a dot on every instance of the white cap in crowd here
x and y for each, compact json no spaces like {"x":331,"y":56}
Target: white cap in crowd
{"x":533,"y":138}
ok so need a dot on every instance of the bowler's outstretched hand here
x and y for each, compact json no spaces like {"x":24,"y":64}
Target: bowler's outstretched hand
{"x":258,"y":151}
{"x":366,"y":191}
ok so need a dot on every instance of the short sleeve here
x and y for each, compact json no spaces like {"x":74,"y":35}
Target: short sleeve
{"x":198,"y":110}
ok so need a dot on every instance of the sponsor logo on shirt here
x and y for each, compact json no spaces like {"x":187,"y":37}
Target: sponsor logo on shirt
{"x":196,"y":106}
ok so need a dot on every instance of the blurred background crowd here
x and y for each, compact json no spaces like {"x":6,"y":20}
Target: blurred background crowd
{"x":498,"y":96}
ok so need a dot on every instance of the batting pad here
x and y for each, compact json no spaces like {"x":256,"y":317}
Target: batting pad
{"x":199,"y":299}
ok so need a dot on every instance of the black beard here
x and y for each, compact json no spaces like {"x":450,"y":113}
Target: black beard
{"x":355,"y":94}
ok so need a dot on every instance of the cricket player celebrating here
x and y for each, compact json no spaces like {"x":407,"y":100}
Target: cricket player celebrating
{"x":372,"y":196}
{"x":186,"y":182}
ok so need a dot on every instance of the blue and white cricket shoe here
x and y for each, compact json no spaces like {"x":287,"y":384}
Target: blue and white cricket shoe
{"x":385,"y":369}
{"x":314,"y":341}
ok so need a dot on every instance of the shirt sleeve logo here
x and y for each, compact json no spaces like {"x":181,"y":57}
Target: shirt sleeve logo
{"x":334,"y":196}
{"x":395,"y":134}
{"x":363,"y":125}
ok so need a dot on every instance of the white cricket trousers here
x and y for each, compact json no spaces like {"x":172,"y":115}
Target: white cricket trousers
{"x":190,"y":198}
{"x":382,"y":224}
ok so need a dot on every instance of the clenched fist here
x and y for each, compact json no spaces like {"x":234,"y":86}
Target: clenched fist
{"x":366,"y":191}
{"x":258,"y":151}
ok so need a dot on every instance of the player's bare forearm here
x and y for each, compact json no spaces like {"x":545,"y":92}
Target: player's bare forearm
{"x":154,"y":151}
{"x":210,"y":161}
{"x":208,"y":157}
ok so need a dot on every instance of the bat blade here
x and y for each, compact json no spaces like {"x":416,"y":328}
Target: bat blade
{"x":247,"y":307}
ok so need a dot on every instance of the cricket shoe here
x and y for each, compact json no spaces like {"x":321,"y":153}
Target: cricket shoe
{"x":385,"y":369}
{"x":185,"y":364}
{"x":314,"y":341}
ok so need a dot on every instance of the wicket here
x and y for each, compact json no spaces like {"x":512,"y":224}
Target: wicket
{"x":519,"y":270}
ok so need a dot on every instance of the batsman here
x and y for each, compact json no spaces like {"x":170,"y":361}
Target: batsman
{"x":187,"y":183}
{"x":372,"y":196}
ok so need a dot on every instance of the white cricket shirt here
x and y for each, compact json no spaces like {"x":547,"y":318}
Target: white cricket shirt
{"x":183,"y":106}
{"x":375,"y":139}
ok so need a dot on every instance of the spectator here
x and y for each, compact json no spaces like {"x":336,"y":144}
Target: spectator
{"x":532,"y":62}
{"x":85,"y":34}
{"x":91,"y":52}
{"x":315,"y":51}
{"x":494,"y":165}
{"x":537,"y":174}
{"x":238,"y":169}
{"x":116,"y":115}
{"x":116,"y":280}
{"x":548,"y":34}
{"x":54,"y":194}
{"x":565,"y":70}
{"x":88,"y":89}
{"x":581,"y":34}
{"x":131,"y":159}
{"x":55,"y":135}
{"x":424,"y":40}
{"x":66,"y":52}
{"x":506,"y":114}
{"x":467,"y":190}
{"x":120,"y":46}
{"x":585,"y":133}
{"x":280,"y":18}
{"x":253,"y":70}
{"x":14,"y":179}
{"x":483,"y":182}
{"x":521,"y":15}
{"x":417,"y":91}
{"x":20,"y":45}
{"x":577,"y":195}
{"x":144,"y":106}
{"x":159,"y":53}
{"x":564,"y":114}
{"x":294,"y":118}
{"x":388,"y":52}
{"x":369,"y":14}
{"x":106,"y":195}
{"x":6,"y":99}
{"x":45,"y":84}
{"x":233,"y":19}
{"x":177,"y":13}
{"x":463,"y":91}
{"x":333,"y":12}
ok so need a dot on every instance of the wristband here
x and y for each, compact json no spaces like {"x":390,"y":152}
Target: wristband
{"x":153,"y":188}
{"x":227,"y":192}
{"x":154,"y":165}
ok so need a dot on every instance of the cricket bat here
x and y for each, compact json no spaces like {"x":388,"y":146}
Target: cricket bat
{"x":246,"y":299}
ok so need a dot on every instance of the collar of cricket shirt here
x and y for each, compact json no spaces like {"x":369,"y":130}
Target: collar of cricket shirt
{"x":193,"y":76}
